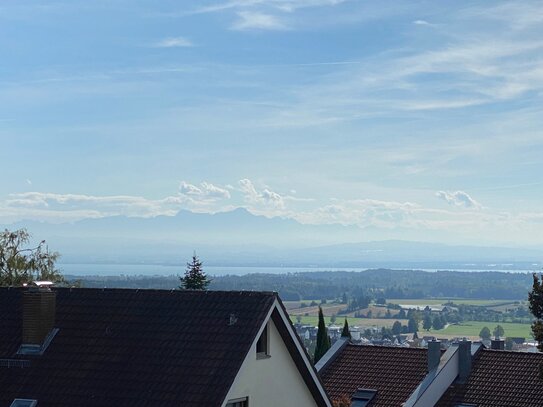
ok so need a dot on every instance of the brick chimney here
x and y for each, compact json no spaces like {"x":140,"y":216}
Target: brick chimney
{"x":434,"y":354}
{"x":39,"y":304}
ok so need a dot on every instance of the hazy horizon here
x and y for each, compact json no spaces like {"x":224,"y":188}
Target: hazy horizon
{"x":410,"y":120}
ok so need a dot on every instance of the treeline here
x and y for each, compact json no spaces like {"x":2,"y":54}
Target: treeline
{"x":383,"y":283}
{"x":362,"y":286}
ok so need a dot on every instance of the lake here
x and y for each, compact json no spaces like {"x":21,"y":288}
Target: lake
{"x":84,"y":269}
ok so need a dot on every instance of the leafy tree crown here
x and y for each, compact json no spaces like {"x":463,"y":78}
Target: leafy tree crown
{"x":20,"y":264}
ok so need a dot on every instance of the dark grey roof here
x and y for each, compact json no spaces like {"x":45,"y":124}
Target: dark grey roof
{"x":132,"y":347}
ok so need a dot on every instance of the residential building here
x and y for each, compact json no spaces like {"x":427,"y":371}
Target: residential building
{"x":466,"y":374}
{"x":115,"y":347}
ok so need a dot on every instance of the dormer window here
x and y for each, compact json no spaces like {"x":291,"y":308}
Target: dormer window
{"x":263,"y":344}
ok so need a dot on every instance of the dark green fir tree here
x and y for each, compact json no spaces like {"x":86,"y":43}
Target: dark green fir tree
{"x":195,"y":278}
{"x":346,"y":333}
{"x":535,"y":298}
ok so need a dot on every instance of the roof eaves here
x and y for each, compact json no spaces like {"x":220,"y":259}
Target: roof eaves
{"x":331,"y":355}
{"x":299,"y":354}
{"x":250,"y":344}
{"x":439,"y":378}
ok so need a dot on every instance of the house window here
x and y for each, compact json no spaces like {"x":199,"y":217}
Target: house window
{"x":263,"y":344}
{"x":243,"y":402}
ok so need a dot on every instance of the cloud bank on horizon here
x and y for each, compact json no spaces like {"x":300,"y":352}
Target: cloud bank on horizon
{"x":409,"y":116}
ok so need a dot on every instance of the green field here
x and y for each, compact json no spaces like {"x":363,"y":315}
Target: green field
{"x":468,"y":328}
{"x":472,"y":328}
{"x":441,"y":301}
{"x":362,"y":322}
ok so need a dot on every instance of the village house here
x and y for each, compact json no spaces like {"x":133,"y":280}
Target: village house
{"x":115,"y":347}
{"x":466,"y":374}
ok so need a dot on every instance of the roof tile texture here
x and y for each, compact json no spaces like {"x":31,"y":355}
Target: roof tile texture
{"x":500,"y":379}
{"x":133,"y":347}
{"x":394,"y":372}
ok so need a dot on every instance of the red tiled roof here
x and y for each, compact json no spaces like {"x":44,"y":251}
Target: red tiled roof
{"x":500,"y":379}
{"x":133,"y":347}
{"x":393,"y":371}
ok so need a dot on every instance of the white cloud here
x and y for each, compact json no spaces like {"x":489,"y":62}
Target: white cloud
{"x":173,"y":42}
{"x":68,"y":204}
{"x":266,"y":197}
{"x":206,"y":191}
{"x":421,"y":22}
{"x":252,"y":20}
{"x":189,"y":189}
{"x":459,"y":198}
{"x":67,"y":207}
{"x":215,"y":192}
{"x":386,"y":219}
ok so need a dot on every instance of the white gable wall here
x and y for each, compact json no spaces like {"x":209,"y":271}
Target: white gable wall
{"x":274,"y":381}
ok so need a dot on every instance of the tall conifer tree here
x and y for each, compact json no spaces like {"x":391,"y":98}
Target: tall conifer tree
{"x":323,"y":341}
{"x":346,"y":333}
{"x":195,"y":278}
{"x":535,"y":297}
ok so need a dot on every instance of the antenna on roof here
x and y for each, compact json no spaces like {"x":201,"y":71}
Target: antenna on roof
{"x":233,"y":319}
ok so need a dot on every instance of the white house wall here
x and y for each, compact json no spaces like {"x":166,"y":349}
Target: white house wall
{"x":271,"y":382}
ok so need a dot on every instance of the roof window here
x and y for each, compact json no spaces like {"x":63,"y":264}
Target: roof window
{"x":362,"y":397}
{"x":24,"y":403}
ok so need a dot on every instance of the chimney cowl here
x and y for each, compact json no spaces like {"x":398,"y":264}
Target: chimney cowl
{"x":497,"y":344}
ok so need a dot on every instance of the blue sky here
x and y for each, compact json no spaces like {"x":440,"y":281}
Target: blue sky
{"x":420,"y":120}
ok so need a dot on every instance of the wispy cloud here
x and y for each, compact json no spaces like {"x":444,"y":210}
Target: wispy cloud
{"x":65,"y":204}
{"x":422,"y":22}
{"x":173,"y":42}
{"x":252,"y":20}
{"x":518,"y":15}
{"x":282,"y":5}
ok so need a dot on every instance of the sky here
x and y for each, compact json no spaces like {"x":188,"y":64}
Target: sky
{"x":416,"y":116}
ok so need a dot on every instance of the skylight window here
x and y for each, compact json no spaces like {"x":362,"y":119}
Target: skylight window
{"x":24,"y":403}
{"x":362,"y":397}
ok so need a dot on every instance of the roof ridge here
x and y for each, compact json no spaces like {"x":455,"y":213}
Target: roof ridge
{"x":361,"y":345}
{"x":270,"y":293}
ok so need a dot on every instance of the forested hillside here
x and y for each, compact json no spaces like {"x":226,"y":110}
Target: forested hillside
{"x":376,"y":283}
